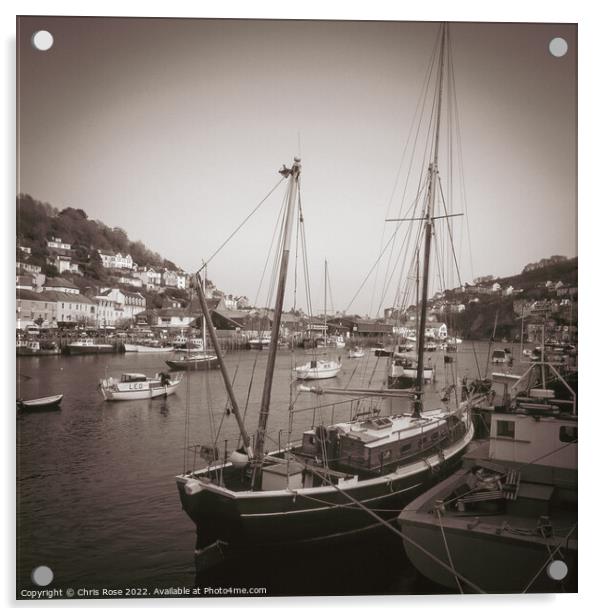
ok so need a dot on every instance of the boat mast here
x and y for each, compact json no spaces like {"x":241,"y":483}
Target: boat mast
{"x":428,"y":230}
{"x":264,"y":411}
{"x":246,"y":442}
{"x":325,"y":278}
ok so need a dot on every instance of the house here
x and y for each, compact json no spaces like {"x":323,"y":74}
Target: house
{"x":151,"y":278}
{"x":168,"y":301}
{"x":25,"y":249}
{"x":61,"y":285}
{"x":131,"y":302}
{"x":174,"y":318}
{"x":63,"y":263}
{"x":57,"y":244}
{"x":127,"y":279}
{"x":33,"y":308}
{"x":178,"y":280}
{"x":29,"y":267}
{"x":112,"y":260}
{"x":360,"y":328}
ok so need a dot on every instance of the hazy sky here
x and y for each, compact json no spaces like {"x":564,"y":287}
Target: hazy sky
{"x":174,"y":130}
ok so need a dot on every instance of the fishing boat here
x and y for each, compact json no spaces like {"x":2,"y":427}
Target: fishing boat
{"x":430,"y":346}
{"x":356,"y":353}
{"x":321,"y":486}
{"x":37,"y":347}
{"x":48,"y":403}
{"x":87,"y":346}
{"x":514,"y":502}
{"x":135,"y":386}
{"x":318,"y":369}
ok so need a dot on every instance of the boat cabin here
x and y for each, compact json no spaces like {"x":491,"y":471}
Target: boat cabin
{"x":376,"y":444}
{"x":133,"y":377}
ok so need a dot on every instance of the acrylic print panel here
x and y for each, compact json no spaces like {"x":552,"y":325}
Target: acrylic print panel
{"x":296,"y":308}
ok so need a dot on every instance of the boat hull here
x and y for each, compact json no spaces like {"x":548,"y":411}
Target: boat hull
{"x":30,"y":352}
{"x":313,"y":374}
{"x":90,"y":350}
{"x":144,"y":394}
{"x":140,"y":348}
{"x":205,"y":363}
{"x":40,"y":404}
{"x":495,"y":560}
{"x":312,"y":514}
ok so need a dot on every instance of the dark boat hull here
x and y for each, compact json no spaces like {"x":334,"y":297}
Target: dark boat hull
{"x":90,"y":350}
{"x":188,"y":364}
{"x":30,"y":353}
{"x":286,"y":517}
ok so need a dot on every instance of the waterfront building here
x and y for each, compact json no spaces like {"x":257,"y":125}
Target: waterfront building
{"x":132,"y":302}
{"x":33,"y":308}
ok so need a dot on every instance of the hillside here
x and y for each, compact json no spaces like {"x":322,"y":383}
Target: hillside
{"x":37,"y":222}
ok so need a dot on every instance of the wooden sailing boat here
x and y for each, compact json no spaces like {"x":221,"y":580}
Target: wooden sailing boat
{"x":303,"y":492}
{"x":321,"y":368}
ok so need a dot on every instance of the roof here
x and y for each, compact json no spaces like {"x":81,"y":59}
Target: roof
{"x":59,"y":282}
{"x":30,"y":295}
{"x":174,"y":312}
{"x":53,"y":296}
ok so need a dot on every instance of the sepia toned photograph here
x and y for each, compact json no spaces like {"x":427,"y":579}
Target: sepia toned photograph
{"x":296,"y":308}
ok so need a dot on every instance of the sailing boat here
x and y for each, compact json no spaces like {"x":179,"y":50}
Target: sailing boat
{"x":196,"y":358}
{"x":309,"y":491}
{"x":321,"y":368}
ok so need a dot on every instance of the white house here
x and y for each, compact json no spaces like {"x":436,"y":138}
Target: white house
{"x":132,"y":303}
{"x":112,"y":260}
{"x":63,"y":264}
{"x":150,"y":278}
{"x":58,"y":244}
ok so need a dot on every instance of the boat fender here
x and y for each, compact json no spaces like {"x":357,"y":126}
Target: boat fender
{"x":192,"y":487}
{"x":239,"y":459}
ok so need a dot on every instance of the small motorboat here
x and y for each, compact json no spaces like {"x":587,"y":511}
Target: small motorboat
{"x":501,"y":356}
{"x":259,"y":343}
{"x":40,"y":404}
{"x":134,"y":386}
{"x":87,"y":346}
{"x":318,"y":369}
{"x":148,"y":348}
{"x":356,"y":353}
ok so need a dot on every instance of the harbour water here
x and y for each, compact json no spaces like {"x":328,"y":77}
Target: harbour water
{"x":96,"y":494}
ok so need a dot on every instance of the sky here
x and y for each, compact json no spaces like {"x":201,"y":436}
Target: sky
{"x":174,"y":130}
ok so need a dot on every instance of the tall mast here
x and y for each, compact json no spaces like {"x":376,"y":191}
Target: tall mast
{"x":293,"y":187}
{"x":428,"y":230}
{"x":325,"y":279}
{"x":216,"y":347}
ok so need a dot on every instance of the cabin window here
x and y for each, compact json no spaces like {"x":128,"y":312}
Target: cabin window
{"x":434,"y":436}
{"x":386,"y":454}
{"x":505,"y":428}
{"x":406,"y":447}
{"x":568,"y":434}
{"x":312,"y":440}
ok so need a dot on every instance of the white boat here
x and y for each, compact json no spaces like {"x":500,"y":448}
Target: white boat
{"x":262,"y":342}
{"x":40,"y":404}
{"x":318,"y":369}
{"x":87,"y":346}
{"x":147,"y":348}
{"x":404,"y":372}
{"x":134,"y":386}
{"x":501,"y":356}
{"x":356,"y":353}
{"x":430,"y":346}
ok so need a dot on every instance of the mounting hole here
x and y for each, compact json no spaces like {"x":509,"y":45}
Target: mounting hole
{"x":42,"y":40}
{"x":558,"y":47}
{"x":42,"y":576}
{"x":557,"y":570}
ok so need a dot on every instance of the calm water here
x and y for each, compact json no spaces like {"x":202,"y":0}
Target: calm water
{"x":97,"y":500}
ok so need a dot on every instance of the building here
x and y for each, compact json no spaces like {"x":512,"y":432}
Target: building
{"x":112,"y":260}
{"x":108,"y":312}
{"x":25,"y":282}
{"x":176,"y":318}
{"x":129,"y":280}
{"x":35,"y":309}
{"x":29,"y":267}
{"x":178,"y":280}
{"x":357,"y":328}
{"x":73,"y":308}
{"x":131,"y":302}
{"x":150,"y":278}
{"x":63,"y":263}
{"x":57,"y":244}
{"x":60,"y":285}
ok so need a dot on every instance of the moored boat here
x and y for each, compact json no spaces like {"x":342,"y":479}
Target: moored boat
{"x":318,"y":369}
{"x":501,"y":356}
{"x":47,"y":403}
{"x":262,"y":342}
{"x":135,"y":386}
{"x":148,"y":348}
{"x":506,"y":522}
{"x":193,"y":361}
{"x":356,"y":353}
{"x":37,"y":347}
{"x":87,"y":346}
